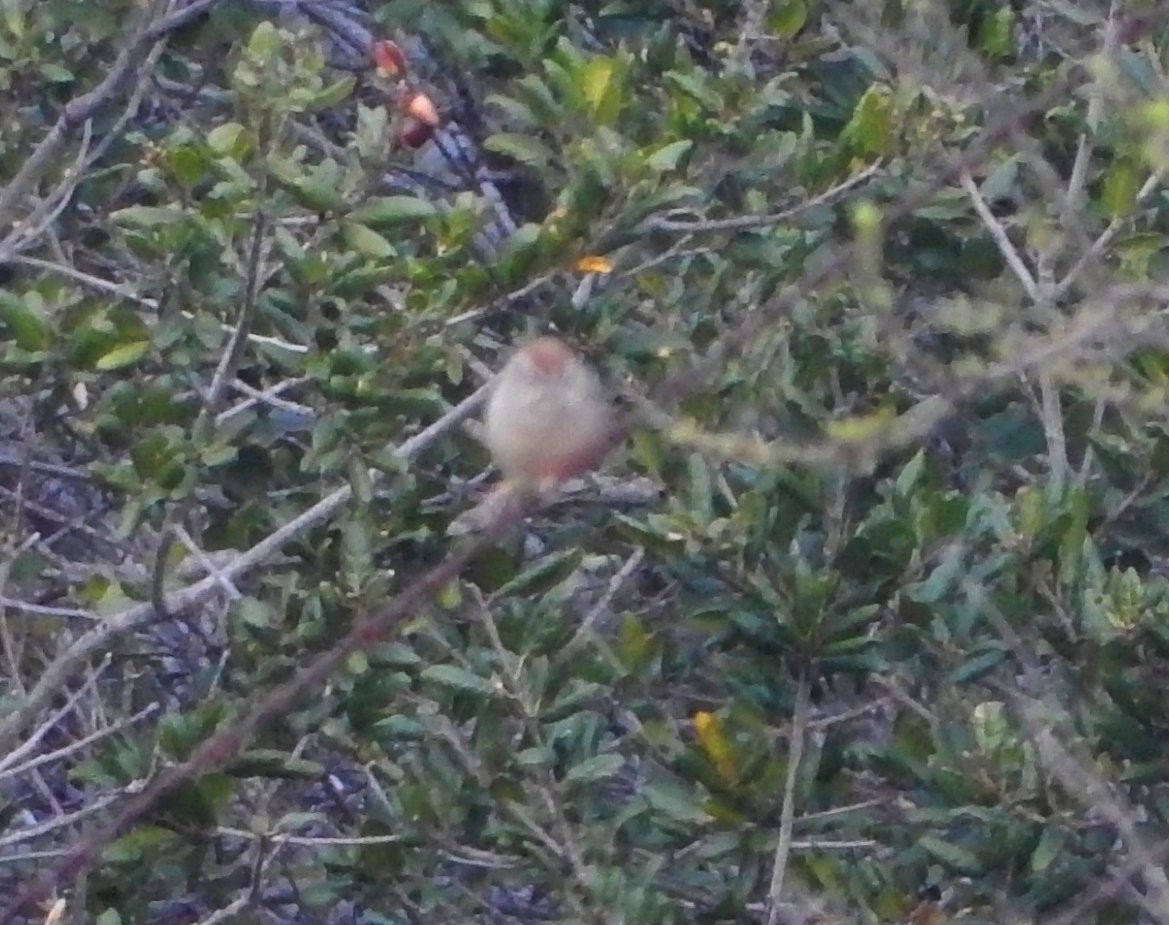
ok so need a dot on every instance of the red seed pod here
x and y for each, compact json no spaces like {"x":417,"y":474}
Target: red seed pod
{"x":413,"y":133}
{"x":388,"y":58}
{"x":421,"y":107}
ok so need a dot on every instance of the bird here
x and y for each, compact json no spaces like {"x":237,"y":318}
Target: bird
{"x":548,"y":418}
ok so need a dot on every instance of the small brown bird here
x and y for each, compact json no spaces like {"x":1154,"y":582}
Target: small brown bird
{"x":547,"y":418}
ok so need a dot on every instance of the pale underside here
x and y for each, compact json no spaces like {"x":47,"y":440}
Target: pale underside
{"x":534,"y":433}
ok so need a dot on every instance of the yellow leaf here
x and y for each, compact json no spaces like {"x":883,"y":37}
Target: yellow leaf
{"x":861,"y":427}
{"x":714,"y":743}
{"x":603,"y":88}
{"x":597,"y":75}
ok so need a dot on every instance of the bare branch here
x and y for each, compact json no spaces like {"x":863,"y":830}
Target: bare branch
{"x":98,"y":639}
{"x":78,"y":110}
{"x":795,"y":755}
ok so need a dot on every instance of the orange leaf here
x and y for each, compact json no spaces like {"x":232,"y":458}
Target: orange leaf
{"x":594,"y":264}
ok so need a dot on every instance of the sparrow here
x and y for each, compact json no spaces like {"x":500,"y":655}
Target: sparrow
{"x":548,"y":418}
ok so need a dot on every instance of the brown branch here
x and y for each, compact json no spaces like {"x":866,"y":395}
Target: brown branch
{"x":227,"y":743}
{"x":1004,"y":125}
{"x":223,"y":745}
{"x":54,"y":677}
{"x":795,"y":755}
{"x":748,"y":222}
{"x":224,"y":373}
{"x":83,"y":107}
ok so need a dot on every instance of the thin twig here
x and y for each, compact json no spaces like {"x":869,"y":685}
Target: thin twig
{"x":59,"y":822}
{"x":1106,"y":237}
{"x":1083,"y":784}
{"x":622,"y":575}
{"x":85,"y":106}
{"x":747,"y":222}
{"x":224,"y":373}
{"x":309,"y":841}
{"x":795,"y":755}
{"x":226,"y":743}
{"x":44,"y":610}
{"x":103,"y":733}
{"x":29,"y":744}
{"x":999,"y":233}
{"x":99,"y":639}
{"x":49,"y":209}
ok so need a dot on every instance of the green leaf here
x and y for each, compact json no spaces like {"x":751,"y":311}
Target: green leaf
{"x":148,"y":216}
{"x":667,"y":157}
{"x":28,"y":329}
{"x":1119,"y":193}
{"x":123,"y":355}
{"x":361,"y":281}
{"x":187,"y":164}
{"x":318,"y":189}
{"x":870,"y":130}
{"x":523,"y":148}
{"x":264,"y":42}
{"x":390,"y":211}
{"x":14,"y":17}
{"x":357,"y":663}
{"x":998,"y":32}
{"x":978,"y":667}
{"x":595,"y":80}
{"x":599,"y":767}
{"x":1050,"y":845}
{"x":952,"y":856}
{"x":944,"y":578}
{"x":328,"y":96}
{"x":366,"y":241}
{"x":396,"y":655}
{"x":788,"y":18}
{"x":544,"y":574}
{"x":600,"y":81}
{"x":1140,"y":71}
{"x":254,"y":612}
{"x":1002,"y":181}
{"x":360,"y":481}
{"x":911,"y":474}
{"x":225,"y":138}
{"x":533,"y":758}
{"x":676,"y":802}
{"x":576,"y":696}
{"x":520,"y":114}
{"x":459,"y":679}
{"x":695,"y":87}
{"x":270,"y":762}
{"x":143,"y":842}
{"x":54,"y":73}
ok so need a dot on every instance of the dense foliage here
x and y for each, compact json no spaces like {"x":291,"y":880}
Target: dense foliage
{"x":872,"y":609}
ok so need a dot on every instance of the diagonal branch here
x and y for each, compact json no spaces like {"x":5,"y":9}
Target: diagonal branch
{"x":83,"y":107}
{"x":999,"y":233}
{"x":223,"y":745}
{"x":56,"y":675}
